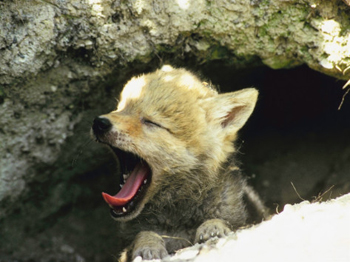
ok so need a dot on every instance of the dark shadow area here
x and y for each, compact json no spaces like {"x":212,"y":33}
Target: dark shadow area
{"x":296,"y":145}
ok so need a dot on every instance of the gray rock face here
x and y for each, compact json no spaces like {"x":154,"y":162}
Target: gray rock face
{"x":38,"y":36}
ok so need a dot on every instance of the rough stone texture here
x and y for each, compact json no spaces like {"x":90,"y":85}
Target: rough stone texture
{"x":37,"y":35}
{"x":63,"y":62}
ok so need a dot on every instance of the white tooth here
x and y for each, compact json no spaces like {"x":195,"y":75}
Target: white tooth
{"x":145,"y":181}
{"x":121,"y":185}
{"x":125,"y":177}
{"x":124,"y":209}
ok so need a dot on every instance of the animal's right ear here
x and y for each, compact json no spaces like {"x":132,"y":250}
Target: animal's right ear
{"x":231,"y":110}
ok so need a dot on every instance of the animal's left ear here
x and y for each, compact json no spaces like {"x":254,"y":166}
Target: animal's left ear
{"x":231,"y":110}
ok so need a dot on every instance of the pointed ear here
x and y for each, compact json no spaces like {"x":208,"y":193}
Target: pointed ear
{"x":231,"y":110}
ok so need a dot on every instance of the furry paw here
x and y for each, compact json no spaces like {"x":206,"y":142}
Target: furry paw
{"x":148,"y":245}
{"x":211,"y":228}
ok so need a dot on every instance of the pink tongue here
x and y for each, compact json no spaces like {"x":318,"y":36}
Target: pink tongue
{"x":129,"y":190}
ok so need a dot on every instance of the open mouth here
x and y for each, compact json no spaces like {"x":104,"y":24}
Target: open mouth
{"x":135,"y":179}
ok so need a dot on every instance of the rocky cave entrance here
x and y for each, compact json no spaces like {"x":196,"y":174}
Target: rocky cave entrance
{"x":296,"y":135}
{"x":296,"y":144}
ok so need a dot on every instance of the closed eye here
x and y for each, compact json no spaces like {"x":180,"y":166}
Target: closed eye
{"x":150,"y":123}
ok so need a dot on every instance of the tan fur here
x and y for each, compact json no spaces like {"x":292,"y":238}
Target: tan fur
{"x":195,"y":183}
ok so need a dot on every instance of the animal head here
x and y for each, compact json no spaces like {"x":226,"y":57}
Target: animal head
{"x":168,"y":125}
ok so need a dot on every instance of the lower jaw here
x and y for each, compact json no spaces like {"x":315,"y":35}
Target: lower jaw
{"x":134,"y":208}
{"x":126,"y":217}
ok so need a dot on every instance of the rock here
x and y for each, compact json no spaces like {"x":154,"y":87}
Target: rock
{"x":302,"y":232}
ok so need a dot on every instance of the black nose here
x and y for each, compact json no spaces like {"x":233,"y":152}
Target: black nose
{"x":101,"y":125}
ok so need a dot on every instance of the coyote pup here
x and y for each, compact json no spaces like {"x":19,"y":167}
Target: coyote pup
{"x":173,"y":136}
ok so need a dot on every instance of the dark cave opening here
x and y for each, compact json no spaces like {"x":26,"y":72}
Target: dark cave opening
{"x":290,"y":99}
{"x":296,"y":145}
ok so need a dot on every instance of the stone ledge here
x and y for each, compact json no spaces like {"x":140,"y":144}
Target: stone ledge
{"x":302,"y":232}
